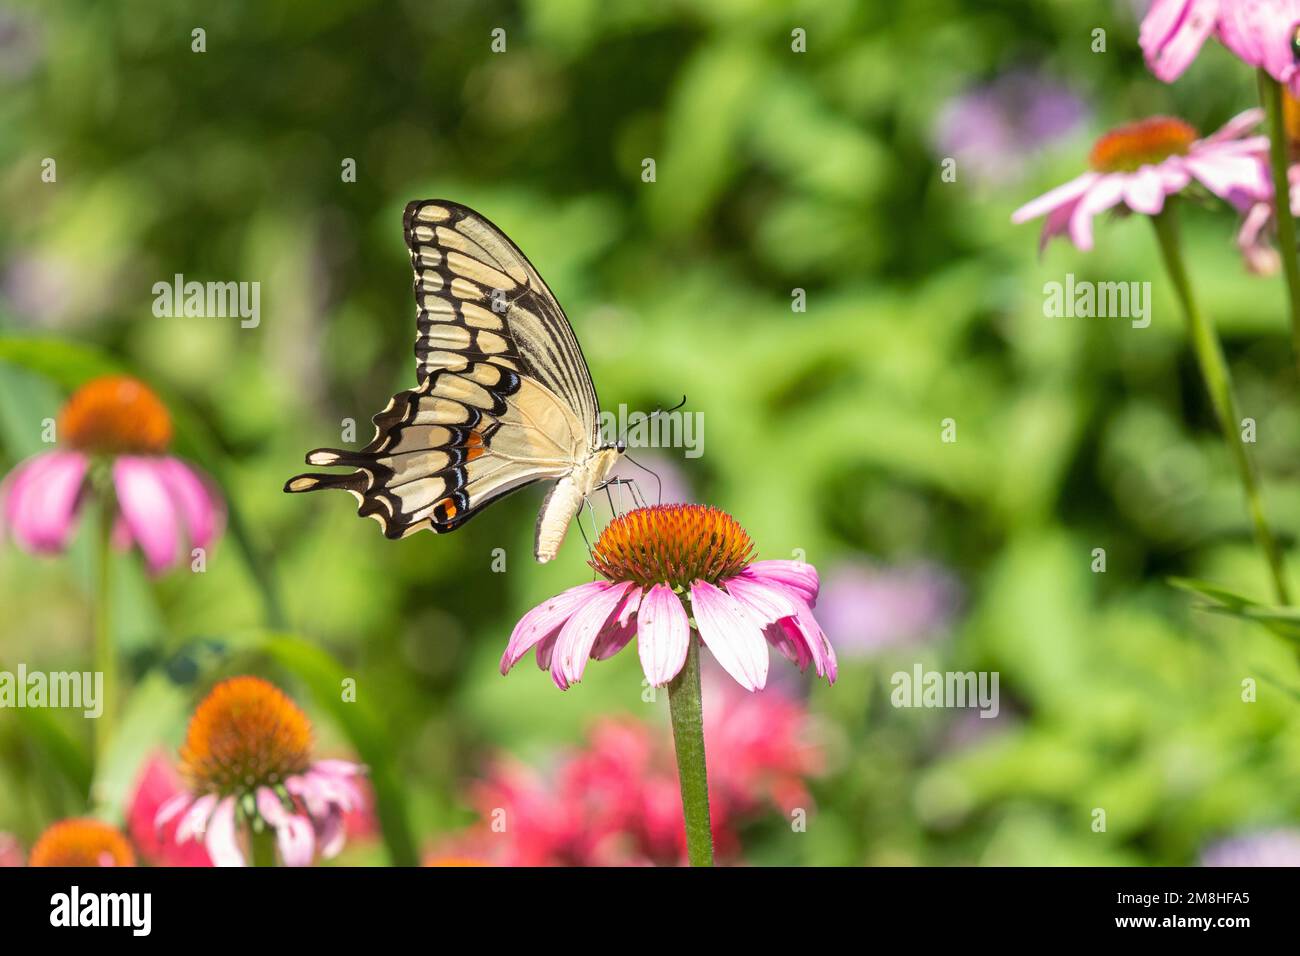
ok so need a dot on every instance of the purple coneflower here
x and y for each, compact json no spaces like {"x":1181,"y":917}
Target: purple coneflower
{"x":248,"y":763}
{"x":1259,"y":32}
{"x":115,"y":432}
{"x":670,"y":572}
{"x":664,"y":565}
{"x":1140,"y":164}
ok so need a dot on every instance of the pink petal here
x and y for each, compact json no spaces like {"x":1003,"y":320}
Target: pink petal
{"x":1260,"y":32}
{"x":620,"y":628}
{"x":222,"y":841}
{"x":546,"y":650}
{"x":785,"y":636}
{"x":1056,"y":224}
{"x":765,"y":603}
{"x":333,"y":834}
{"x":1173,"y":32}
{"x":1106,"y":193}
{"x":1237,"y":127}
{"x":799,"y":576}
{"x":578,"y":636}
{"x":42,"y":497}
{"x":1143,"y":192}
{"x":729,"y":632}
{"x":148,"y":509}
{"x":1233,"y":177}
{"x":1062,"y":195}
{"x":1260,"y":257}
{"x":339,"y":768}
{"x":545,"y":620}
{"x":195,"y":820}
{"x":663,"y":635}
{"x":293,"y":832}
{"x":804,"y":627}
{"x":199,"y":508}
{"x":174,"y":805}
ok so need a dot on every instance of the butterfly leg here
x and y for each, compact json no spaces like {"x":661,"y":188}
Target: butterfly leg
{"x":585,"y":540}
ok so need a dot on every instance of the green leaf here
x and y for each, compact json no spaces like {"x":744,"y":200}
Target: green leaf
{"x":154,"y":707}
{"x":323,"y":677}
{"x":69,"y":756}
{"x":1218,"y":595}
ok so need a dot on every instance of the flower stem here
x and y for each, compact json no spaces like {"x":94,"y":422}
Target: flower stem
{"x":104,"y":653}
{"x":1218,"y":382}
{"x":263,"y":846}
{"x":1278,"y":147}
{"x":685,"y":705}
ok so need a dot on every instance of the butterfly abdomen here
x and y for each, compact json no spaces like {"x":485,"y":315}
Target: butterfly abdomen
{"x":565,"y":500}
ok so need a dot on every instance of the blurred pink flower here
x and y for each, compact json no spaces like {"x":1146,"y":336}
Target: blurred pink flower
{"x":1140,"y":164}
{"x":156,"y":785}
{"x":247,"y":755}
{"x":1279,"y":847}
{"x":869,"y":609}
{"x":11,"y":851}
{"x":1260,"y":32}
{"x":616,"y":802}
{"x":655,"y":559}
{"x":163,"y":504}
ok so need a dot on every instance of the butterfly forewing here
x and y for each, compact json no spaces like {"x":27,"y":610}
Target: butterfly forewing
{"x":479,"y":298}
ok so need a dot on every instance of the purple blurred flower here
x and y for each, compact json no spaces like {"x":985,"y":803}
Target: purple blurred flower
{"x":868,"y":609}
{"x":39,"y":288}
{"x":20,"y":46}
{"x":993,"y":129}
{"x":1279,"y":847}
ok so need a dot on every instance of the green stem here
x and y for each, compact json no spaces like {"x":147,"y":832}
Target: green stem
{"x":263,"y":844}
{"x":1278,"y":147}
{"x":104,"y":653}
{"x":1218,"y":382}
{"x":684,"y":704}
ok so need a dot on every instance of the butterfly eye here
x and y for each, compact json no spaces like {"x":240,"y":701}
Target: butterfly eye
{"x":620,"y":446}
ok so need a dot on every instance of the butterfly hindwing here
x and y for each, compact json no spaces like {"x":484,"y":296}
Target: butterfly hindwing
{"x":443,"y":450}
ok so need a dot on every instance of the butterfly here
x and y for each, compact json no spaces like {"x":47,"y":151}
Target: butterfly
{"x":504,"y":396}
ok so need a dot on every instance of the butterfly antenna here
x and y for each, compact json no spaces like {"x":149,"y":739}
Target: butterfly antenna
{"x":674,"y":408}
{"x":622,"y":439}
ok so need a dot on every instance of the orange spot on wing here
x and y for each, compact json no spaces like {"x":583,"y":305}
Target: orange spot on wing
{"x":448,"y":509}
{"x":474,"y":446}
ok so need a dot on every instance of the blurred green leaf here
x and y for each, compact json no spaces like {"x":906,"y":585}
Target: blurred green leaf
{"x":323,"y":677}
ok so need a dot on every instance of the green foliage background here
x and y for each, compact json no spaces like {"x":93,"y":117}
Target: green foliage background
{"x":775,"y":170}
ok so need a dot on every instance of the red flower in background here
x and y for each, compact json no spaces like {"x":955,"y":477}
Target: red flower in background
{"x":157,"y":845}
{"x":616,"y":802}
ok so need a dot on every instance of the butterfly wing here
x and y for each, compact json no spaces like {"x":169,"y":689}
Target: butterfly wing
{"x":504,"y":396}
{"x":448,"y":447}
{"x":480,"y":299}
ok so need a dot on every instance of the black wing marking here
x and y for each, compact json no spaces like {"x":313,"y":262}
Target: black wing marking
{"x":480,"y":299}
